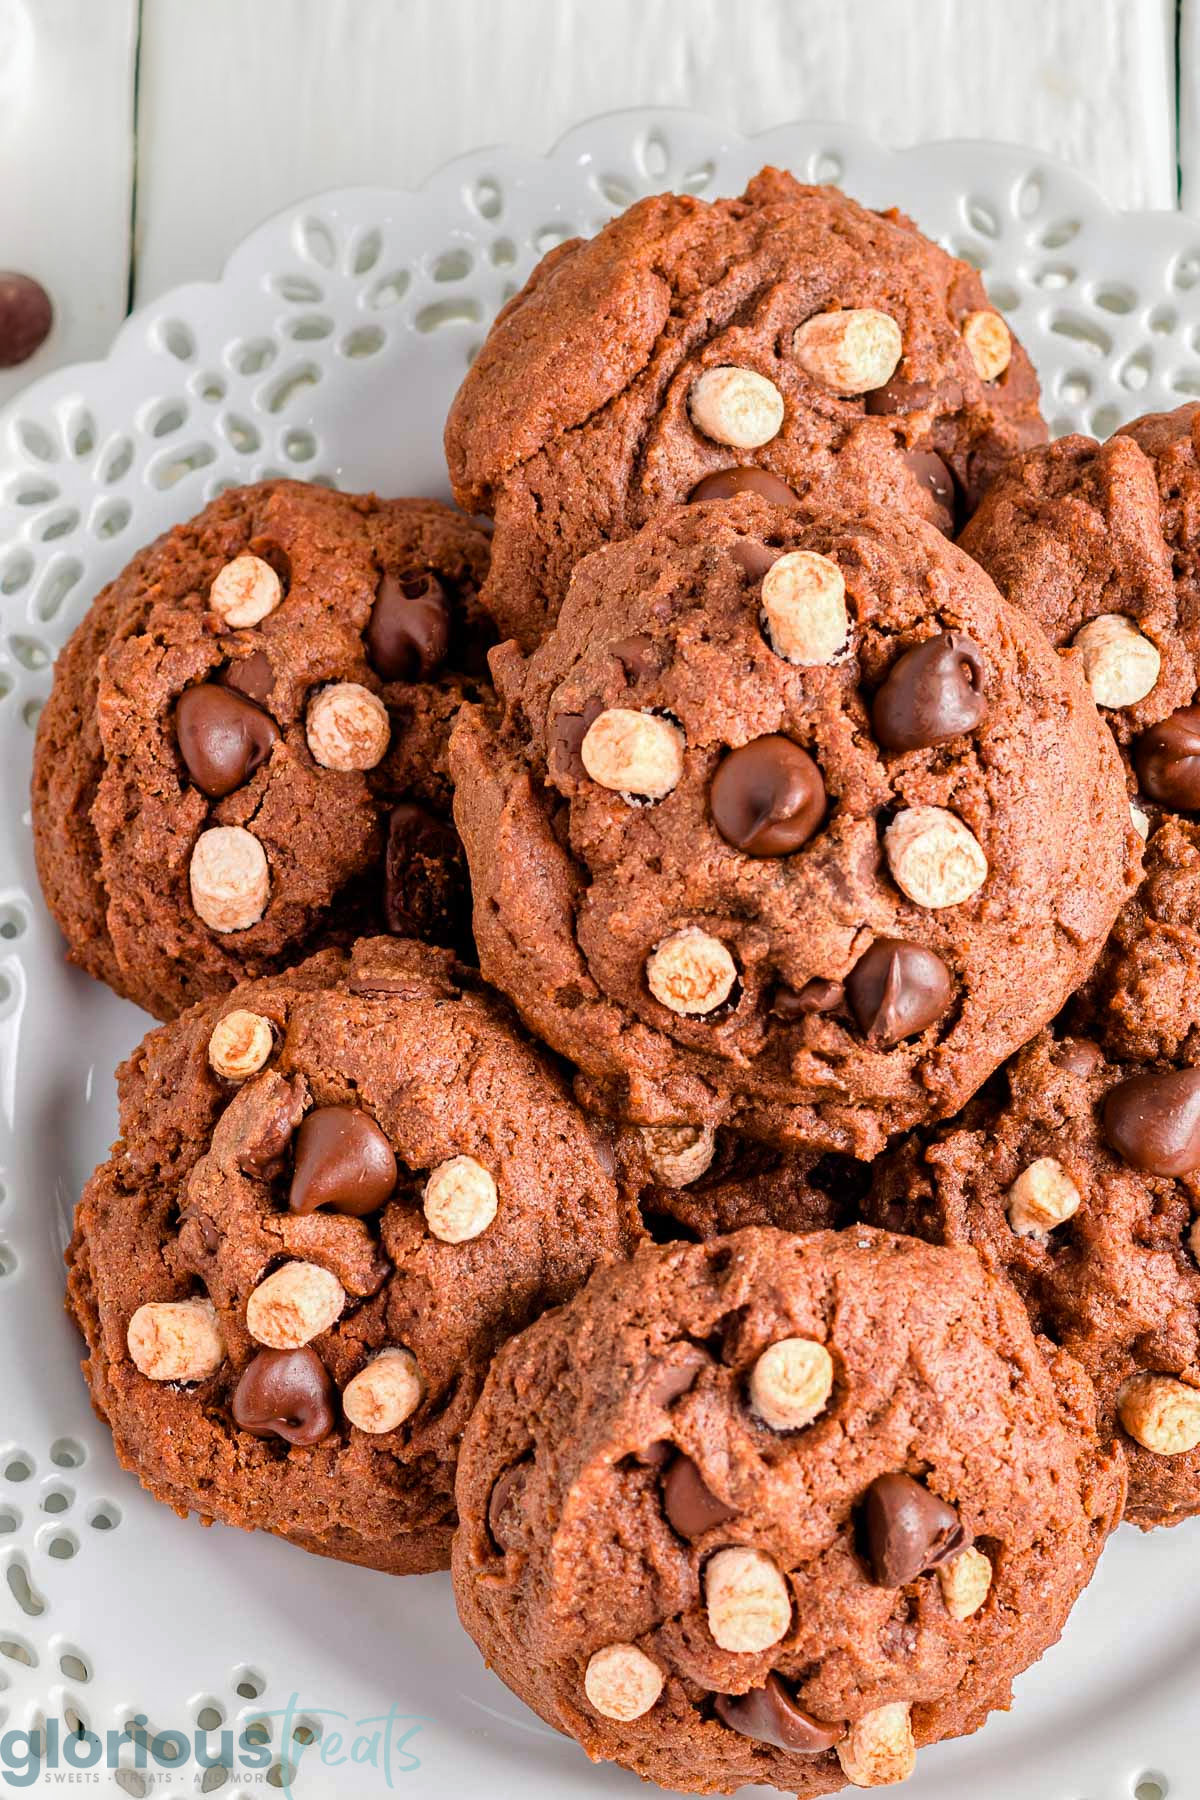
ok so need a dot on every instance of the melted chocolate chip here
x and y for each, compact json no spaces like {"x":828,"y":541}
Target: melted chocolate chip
{"x":1167,"y":759}
{"x":408,"y":634}
{"x":262,"y":1152}
{"x":816,"y":996}
{"x":285,"y":1394}
{"x":769,"y":1715}
{"x":656,"y":1455}
{"x":671,"y":1380}
{"x":222,"y":736}
{"x":768,"y":797}
{"x":253,"y":676}
{"x":1076,"y":1056}
{"x":342,"y":1161}
{"x":637,"y":655}
{"x":1153,"y":1121}
{"x":754,"y":559}
{"x":26,"y":316}
{"x":908,"y":1530}
{"x":933,"y":692}
{"x":424,"y":875}
{"x":567,"y":732}
{"x":896,"y":989}
{"x":934,"y":475}
{"x":901,"y":396}
{"x":689,"y":1503}
{"x":210,"y":1237}
{"x":505,"y":1496}
{"x":725,"y":484}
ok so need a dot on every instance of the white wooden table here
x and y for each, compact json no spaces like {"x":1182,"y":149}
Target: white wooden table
{"x":140,"y":139}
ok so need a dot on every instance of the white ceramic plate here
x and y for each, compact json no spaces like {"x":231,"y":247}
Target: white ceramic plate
{"x":330,"y":348}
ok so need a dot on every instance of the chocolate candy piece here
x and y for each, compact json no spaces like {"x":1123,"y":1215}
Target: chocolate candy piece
{"x":726,"y":483}
{"x":285,"y":1394}
{"x":933,"y":692}
{"x":253,"y":676}
{"x":768,"y":797}
{"x":424,"y":874}
{"x":690,"y":1505}
{"x":223,"y":737}
{"x":26,"y":316}
{"x":908,"y":1530}
{"x":1153,"y":1121}
{"x":816,"y":996}
{"x":896,"y":989}
{"x":408,"y":633}
{"x":343,"y":1161}
{"x":769,"y":1715}
{"x":933,"y":474}
{"x":1167,"y":759}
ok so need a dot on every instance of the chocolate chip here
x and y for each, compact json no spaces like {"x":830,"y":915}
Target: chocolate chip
{"x":26,"y":316}
{"x":689,"y":1503}
{"x":668,"y":1382}
{"x":1153,"y":1121}
{"x":408,"y":633}
{"x":1076,"y":1056}
{"x":933,"y":692}
{"x":1167,"y":759}
{"x":253,"y":676}
{"x":424,"y":875}
{"x":261,"y":1154}
{"x":768,"y":797}
{"x":567,"y":732}
{"x":506,"y":1494}
{"x":901,"y":396}
{"x":656,"y":1455}
{"x":637,"y":655}
{"x":210,"y":1237}
{"x":343,"y":1161}
{"x":816,"y":996}
{"x":896,"y":989}
{"x":933,"y":474}
{"x":908,"y":1530}
{"x":754,"y":559}
{"x":285,"y":1394}
{"x":671,"y":1380}
{"x":769,"y":1715}
{"x":725,"y":484}
{"x":222,"y":736}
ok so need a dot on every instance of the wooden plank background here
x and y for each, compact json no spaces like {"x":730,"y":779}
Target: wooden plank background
{"x":140,"y":139}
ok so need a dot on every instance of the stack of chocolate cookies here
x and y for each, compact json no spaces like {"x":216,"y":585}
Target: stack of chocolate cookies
{"x":679,"y":1089}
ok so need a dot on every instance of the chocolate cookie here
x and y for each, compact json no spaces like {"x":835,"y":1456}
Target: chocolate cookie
{"x":1098,"y":542}
{"x":789,"y":342}
{"x":1080,"y":1179}
{"x":1142,"y":1000}
{"x":335,"y":1193}
{"x":791,"y":825}
{"x":778,"y":1509}
{"x":244,"y":753}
